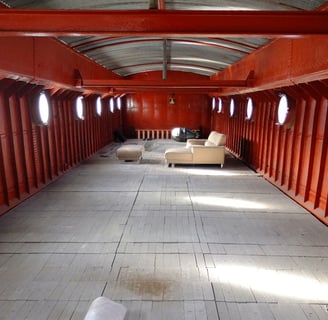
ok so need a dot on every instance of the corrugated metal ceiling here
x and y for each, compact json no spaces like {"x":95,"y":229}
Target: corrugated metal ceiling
{"x":130,"y":55}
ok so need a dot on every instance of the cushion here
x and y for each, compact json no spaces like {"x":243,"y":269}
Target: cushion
{"x":218,"y":139}
{"x":178,"y":155}
{"x":209,"y":144}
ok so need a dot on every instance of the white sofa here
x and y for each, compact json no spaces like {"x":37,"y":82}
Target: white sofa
{"x":199,"y":151}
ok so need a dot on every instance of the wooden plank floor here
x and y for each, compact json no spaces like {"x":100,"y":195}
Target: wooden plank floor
{"x":190,"y":242}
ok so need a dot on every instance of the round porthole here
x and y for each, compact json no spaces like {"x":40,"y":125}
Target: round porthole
{"x":219,"y":105}
{"x":111,"y":105}
{"x":43,"y":109}
{"x":213,"y":103}
{"x":283,"y":109}
{"x":249,"y":109}
{"x":98,"y":106}
{"x":79,"y":108}
{"x":232,"y":107}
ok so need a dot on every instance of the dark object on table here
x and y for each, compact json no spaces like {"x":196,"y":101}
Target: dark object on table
{"x":182,"y":134}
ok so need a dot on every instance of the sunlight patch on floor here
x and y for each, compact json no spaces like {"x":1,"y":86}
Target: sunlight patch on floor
{"x":282,"y":283}
{"x":209,"y":172}
{"x":228,"y":202}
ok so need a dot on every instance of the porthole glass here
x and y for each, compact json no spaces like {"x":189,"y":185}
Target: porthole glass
{"x":219,"y":105}
{"x":232,"y":107}
{"x":213,"y":103}
{"x":282,"y":109}
{"x":111,"y":105}
{"x":43,"y":108}
{"x":119,"y":103}
{"x":249,"y":109}
{"x":98,"y":106}
{"x":79,"y":108}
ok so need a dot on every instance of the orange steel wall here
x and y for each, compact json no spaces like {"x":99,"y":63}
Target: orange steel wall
{"x":32,"y":156}
{"x":293,"y":157}
{"x":153,"y":111}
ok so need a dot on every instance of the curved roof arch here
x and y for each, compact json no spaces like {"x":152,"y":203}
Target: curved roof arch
{"x":126,"y":55}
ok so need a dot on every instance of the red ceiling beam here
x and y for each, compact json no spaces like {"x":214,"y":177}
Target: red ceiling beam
{"x":144,"y":85}
{"x":118,"y":90}
{"x":15,"y":22}
{"x":208,"y":84}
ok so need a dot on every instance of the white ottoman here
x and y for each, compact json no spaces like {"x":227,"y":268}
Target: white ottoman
{"x":130,"y":152}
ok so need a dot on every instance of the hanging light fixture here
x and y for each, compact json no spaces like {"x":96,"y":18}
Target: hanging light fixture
{"x":172,"y":99}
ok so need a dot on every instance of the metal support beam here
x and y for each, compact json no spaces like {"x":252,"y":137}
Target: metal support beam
{"x":15,"y":22}
{"x":164,"y":75}
{"x":156,"y":4}
{"x":160,"y":85}
{"x":161,"y":4}
{"x":2,"y":5}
